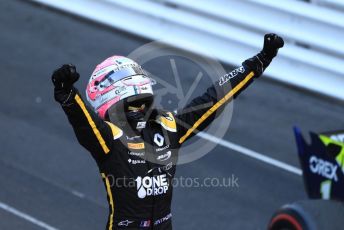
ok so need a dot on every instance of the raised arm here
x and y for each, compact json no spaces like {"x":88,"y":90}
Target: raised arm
{"x":91,"y":131}
{"x":201,"y":111}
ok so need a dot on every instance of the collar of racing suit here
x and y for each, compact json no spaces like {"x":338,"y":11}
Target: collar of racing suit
{"x":120,"y":115}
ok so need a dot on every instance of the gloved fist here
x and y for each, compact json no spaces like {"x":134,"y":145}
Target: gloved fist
{"x":65,"y":76}
{"x":272,"y":42}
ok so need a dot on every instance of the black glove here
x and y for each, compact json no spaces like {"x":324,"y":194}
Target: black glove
{"x":63,"y":79}
{"x":272,"y":42}
{"x":262,"y":60}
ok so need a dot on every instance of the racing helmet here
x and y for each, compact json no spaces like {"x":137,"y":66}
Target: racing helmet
{"x":117,"y":80}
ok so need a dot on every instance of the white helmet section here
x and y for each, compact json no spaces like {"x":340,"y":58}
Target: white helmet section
{"x":115,"y":79}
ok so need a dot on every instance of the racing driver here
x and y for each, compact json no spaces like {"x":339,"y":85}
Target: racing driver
{"x":136,"y":145}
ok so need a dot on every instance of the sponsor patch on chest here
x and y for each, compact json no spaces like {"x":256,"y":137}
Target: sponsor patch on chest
{"x":165,"y":156}
{"x":136,"y":146}
{"x":152,"y":186}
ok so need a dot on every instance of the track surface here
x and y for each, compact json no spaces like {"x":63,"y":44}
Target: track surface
{"x":46,"y":174}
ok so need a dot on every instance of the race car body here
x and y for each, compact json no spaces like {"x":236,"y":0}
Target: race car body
{"x":322,"y":163}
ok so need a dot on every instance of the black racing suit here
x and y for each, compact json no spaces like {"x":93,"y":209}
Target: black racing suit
{"x":139,"y":191}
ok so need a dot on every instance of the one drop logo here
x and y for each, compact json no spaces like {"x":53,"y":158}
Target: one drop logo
{"x":151,"y":186}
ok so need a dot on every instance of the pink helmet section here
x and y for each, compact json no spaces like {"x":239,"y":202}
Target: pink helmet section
{"x":113,"y":80}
